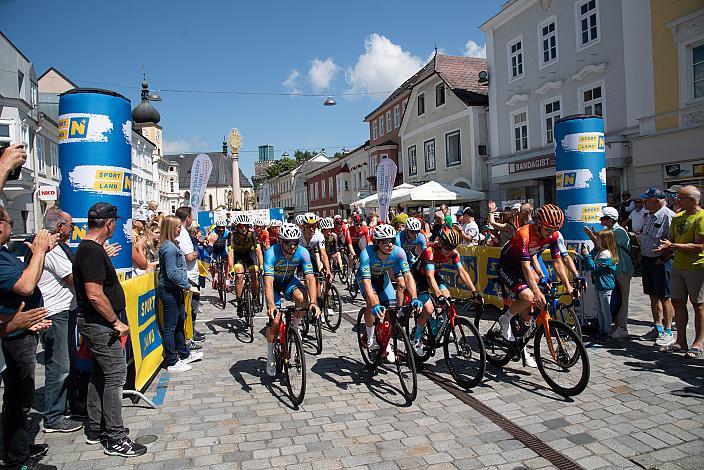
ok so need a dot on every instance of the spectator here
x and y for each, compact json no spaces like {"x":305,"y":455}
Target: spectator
{"x":11,"y":158}
{"x":626,"y":206}
{"x":656,"y":268}
{"x":672,"y":202}
{"x":191,"y":254}
{"x":373,"y":220}
{"x":152,"y":208}
{"x":438,"y":222}
{"x":173,"y":281}
{"x":638,"y":216}
{"x":18,"y":290}
{"x":467,"y":227}
{"x":59,"y":340}
{"x":151,"y":243}
{"x":525,"y":214}
{"x":506,"y":226}
{"x":624,"y":267}
{"x":602,"y":263}
{"x":101,"y":305}
{"x":686,"y":244}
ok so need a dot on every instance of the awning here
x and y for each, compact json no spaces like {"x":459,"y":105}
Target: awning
{"x":373,"y":200}
{"x":432,"y":192}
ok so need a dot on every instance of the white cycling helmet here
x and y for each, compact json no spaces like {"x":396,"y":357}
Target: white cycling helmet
{"x":310,"y":218}
{"x":413,"y":224}
{"x":383,"y":231}
{"x":243,"y":219}
{"x":300,"y":219}
{"x":326,"y":223}
{"x":221,"y":223}
{"x":289,"y":232}
{"x":275,"y":223}
{"x":338,"y":216}
{"x":259,"y":222}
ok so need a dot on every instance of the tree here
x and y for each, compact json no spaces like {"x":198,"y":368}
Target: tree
{"x":302,"y":156}
{"x":281,"y":166}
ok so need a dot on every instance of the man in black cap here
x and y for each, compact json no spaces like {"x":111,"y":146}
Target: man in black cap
{"x":101,"y":305}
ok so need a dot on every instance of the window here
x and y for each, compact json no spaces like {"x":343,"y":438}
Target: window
{"x":388,"y":121}
{"x":347,"y":185}
{"x":374,"y":131}
{"x":412,"y":164}
{"x":374,"y":165}
{"x":20,"y":82}
{"x":592,"y":100}
{"x":330,"y":188}
{"x":171,"y":186}
{"x":381,"y":126}
{"x":41,"y":155}
{"x":397,"y":117}
{"x":515,"y":58}
{"x":551,"y":113}
{"x":429,"y":153}
{"x":5,"y":133}
{"x":54,"y":149}
{"x":519,"y":122}
{"x":547,"y":38}
{"x":421,"y":104}
{"x":587,"y":23}
{"x":453,"y":151}
{"x":322,"y":184}
{"x":440,"y":95}
{"x":698,"y":71}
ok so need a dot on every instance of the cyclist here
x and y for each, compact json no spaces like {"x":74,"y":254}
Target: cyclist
{"x":313,"y":240}
{"x":374,"y":283}
{"x":217,"y":242}
{"x":332,"y":242}
{"x":262,"y":233}
{"x":426,"y":272}
{"x":280,"y":264}
{"x":273,"y":231}
{"x":413,"y":243}
{"x":242,"y":248}
{"x":358,"y":236}
{"x":518,"y":260}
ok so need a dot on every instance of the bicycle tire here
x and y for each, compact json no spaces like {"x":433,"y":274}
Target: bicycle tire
{"x":405,"y":356}
{"x":498,"y":350}
{"x":249,"y":312}
{"x":295,"y":362}
{"x":371,"y":360}
{"x":222,"y":288}
{"x":567,"y":315}
{"x":332,"y":304}
{"x":260,"y":300}
{"x":278,"y":357}
{"x":305,"y":324}
{"x":565,"y":361}
{"x":467,"y":341}
{"x":425,"y":337}
{"x":342,"y":275}
{"x":318,"y":327}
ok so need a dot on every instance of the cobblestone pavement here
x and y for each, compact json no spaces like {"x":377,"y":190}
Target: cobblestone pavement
{"x":642,"y":409}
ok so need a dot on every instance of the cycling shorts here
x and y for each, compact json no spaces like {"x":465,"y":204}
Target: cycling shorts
{"x":244,"y":260}
{"x":383,"y":288}
{"x":285,"y":288}
{"x":513,"y":279}
{"x":423,"y":288}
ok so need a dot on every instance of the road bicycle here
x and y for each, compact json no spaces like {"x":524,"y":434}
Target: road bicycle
{"x":352,"y":286}
{"x":559,"y":353}
{"x":310,"y":319}
{"x":289,"y":357}
{"x":390,"y":331}
{"x":462,"y":344}
{"x":330,"y":304}
{"x":220,"y":279}
{"x":249,"y":305}
{"x":339,"y":271}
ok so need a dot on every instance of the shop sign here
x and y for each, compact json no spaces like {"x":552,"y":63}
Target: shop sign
{"x":683,"y":171}
{"x":531,"y":164}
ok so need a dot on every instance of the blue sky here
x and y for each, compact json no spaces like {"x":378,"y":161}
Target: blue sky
{"x":327,"y":47}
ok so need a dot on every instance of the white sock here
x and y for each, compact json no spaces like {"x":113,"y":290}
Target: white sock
{"x":295,"y":323}
{"x":370,"y":332}
{"x":270,"y":351}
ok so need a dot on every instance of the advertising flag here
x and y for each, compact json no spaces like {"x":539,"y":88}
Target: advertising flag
{"x":200,"y":173}
{"x":385,"y":178}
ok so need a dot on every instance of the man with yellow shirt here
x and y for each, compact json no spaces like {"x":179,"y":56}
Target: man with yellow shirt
{"x":686,"y":244}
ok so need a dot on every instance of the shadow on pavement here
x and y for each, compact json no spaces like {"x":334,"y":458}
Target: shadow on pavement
{"x":256,"y":368}
{"x":236,"y":326}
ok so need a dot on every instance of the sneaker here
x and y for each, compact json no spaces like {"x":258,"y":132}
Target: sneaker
{"x":418,"y":347}
{"x":530,"y":361}
{"x":193,"y":346}
{"x":180,"y":366}
{"x":38,"y":450}
{"x":63,"y":425}
{"x":94,"y":437}
{"x":619,"y":333}
{"x":505,"y":323}
{"x":125,"y":447}
{"x":198,"y":337}
{"x":271,"y":368}
{"x":372,"y":344}
{"x":390,"y":355}
{"x":665,"y":339}
{"x":652,"y":335}
{"x":194,"y":356}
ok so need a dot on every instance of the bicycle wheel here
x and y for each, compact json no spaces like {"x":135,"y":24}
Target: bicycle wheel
{"x":295,"y":368}
{"x":568,"y":372}
{"x":332,"y":308}
{"x":464,"y":353}
{"x":305,"y":324}
{"x":249,"y":311}
{"x":222,"y":288}
{"x":498,"y":350}
{"x":318,"y":327}
{"x":405,"y":363}
{"x":343,"y":269}
{"x":411,"y":325}
{"x":567,"y":315}
{"x":371,"y":358}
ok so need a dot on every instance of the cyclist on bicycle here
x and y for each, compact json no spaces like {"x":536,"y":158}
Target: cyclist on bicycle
{"x":216,"y":245}
{"x":519,"y":266}
{"x":374,"y":283}
{"x":273,"y":231}
{"x":413,"y":243}
{"x":262,"y":234}
{"x":426,"y":272}
{"x":313,"y":240}
{"x":242,"y":248}
{"x":332,"y":242}
{"x":280,"y":264}
{"x":358,"y":236}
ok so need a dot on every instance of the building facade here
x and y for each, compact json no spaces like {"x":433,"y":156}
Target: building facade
{"x":547,"y":60}
{"x":300,"y":181}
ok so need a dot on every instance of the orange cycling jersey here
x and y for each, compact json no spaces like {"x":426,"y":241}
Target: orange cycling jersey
{"x":264,"y":239}
{"x":527,"y":243}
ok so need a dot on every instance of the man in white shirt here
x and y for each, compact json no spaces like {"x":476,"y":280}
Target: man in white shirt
{"x":468,"y":228}
{"x":59,"y":340}
{"x":638,"y":216}
{"x":186,"y":245}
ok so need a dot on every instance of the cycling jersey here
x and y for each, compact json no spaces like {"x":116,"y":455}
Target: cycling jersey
{"x":525,"y":244}
{"x":263,"y":239}
{"x":220,"y":245}
{"x":411,"y":247}
{"x":342,"y":233}
{"x":283,"y":270}
{"x":373,"y":268}
{"x":273,"y":235}
{"x":431,"y":261}
{"x":316,"y":242}
{"x":243,"y":244}
{"x":331,"y":243}
{"x":358,"y":237}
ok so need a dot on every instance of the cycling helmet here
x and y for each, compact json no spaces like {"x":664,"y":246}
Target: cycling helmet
{"x":276,"y":223}
{"x":310,"y":218}
{"x":326,"y":223}
{"x":259,"y":222}
{"x":338,"y":217}
{"x":289,"y":232}
{"x":300,"y":219}
{"x":449,"y":237}
{"x":550,"y":216}
{"x":413,"y":224}
{"x":221,"y":223}
{"x":383,"y":231}
{"x":357,"y":219}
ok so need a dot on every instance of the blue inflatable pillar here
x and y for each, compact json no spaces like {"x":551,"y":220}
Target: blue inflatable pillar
{"x":580,"y":165}
{"x":95,"y":158}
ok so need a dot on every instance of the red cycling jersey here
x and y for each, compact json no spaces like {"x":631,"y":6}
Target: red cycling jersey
{"x":433,"y":259}
{"x":273,"y":235}
{"x":527,"y":243}
{"x":342,"y":232}
{"x":263,"y":239}
{"x":356,"y":233}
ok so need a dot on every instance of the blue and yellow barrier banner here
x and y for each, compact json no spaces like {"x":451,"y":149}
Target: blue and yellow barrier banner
{"x":482,"y":264}
{"x":145,"y":334}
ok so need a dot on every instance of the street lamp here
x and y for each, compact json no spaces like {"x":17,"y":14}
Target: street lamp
{"x":330,"y":101}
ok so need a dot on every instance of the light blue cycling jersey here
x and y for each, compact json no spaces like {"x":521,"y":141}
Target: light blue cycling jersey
{"x":411,"y":246}
{"x":283,"y":269}
{"x":372,"y":267}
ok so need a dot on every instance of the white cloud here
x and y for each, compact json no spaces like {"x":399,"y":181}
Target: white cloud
{"x":472,"y":49}
{"x":321,"y":73}
{"x":183,"y":146}
{"x":290,"y":82}
{"x":383,"y":66}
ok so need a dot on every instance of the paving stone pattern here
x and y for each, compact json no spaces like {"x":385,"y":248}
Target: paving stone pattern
{"x":642,"y":409}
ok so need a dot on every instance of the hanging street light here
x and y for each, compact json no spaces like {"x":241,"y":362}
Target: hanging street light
{"x":329,"y":101}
